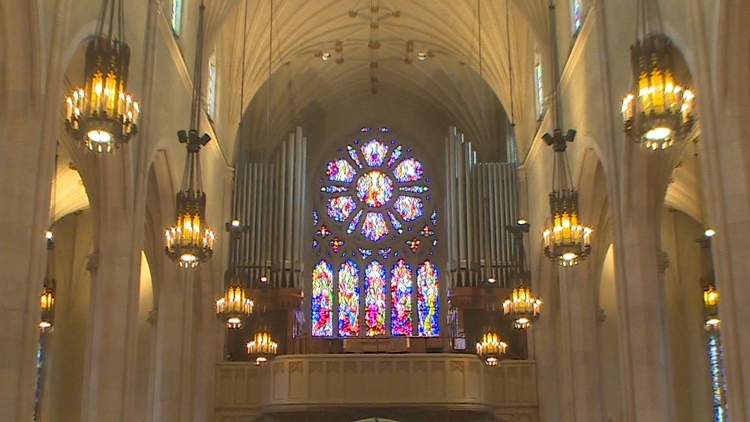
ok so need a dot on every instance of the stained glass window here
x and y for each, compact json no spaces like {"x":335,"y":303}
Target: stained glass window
{"x":368,"y":219}
{"x":212,"y":85}
{"x":176,"y":16}
{"x":427,"y":299}
{"x":576,"y":15}
{"x":322,"y":299}
{"x":401,"y":290}
{"x":349,"y":299}
{"x":538,"y":83}
{"x":718,"y":383}
{"x":375,"y":302}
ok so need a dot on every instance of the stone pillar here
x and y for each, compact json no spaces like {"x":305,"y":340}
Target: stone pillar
{"x":644,"y":336}
{"x":579,"y":305}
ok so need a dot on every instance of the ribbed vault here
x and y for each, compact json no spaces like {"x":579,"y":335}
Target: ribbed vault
{"x":373,"y":39}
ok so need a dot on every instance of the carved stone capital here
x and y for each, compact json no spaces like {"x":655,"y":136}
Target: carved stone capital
{"x":92,"y":262}
{"x":153,"y":316}
{"x":662,"y":261}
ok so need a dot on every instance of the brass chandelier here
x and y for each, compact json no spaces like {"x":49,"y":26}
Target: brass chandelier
{"x":262,"y":348}
{"x":235,"y":304}
{"x":568,"y":241}
{"x":522,"y":306}
{"x":102,"y":113}
{"x":491,"y":348}
{"x":189,"y":242}
{"x":658,"y":111}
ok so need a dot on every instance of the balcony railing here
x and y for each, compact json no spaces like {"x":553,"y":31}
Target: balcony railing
{"x":304,"y":383}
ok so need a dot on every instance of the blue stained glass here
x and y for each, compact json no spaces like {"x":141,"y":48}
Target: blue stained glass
{"x":401,"y":291}
{"x":341,"y":171}
{"x":340,"y":207}
{"x":375,"y":298}
{"x":374,"y":188}
{"x":316,"y":217}
{"x":315,"y":244}
{"x":365,"y":252}
{"x":349,"y":299}
{"x":409,"y":207}
{"x":365,"y":129}
{"x":718,"y":383}
{"x":334,"y":189}
{"x":374,"y":152}
{"x":385,"y":253}
{"x":374,"y":227}
{"x":384,"y":129}
{"x":353,"y":155}
{"x":322,"y":300}
{"x":428,"y":304}
{"x":396,"y":224}
{"x":433,"y":217}
{"x":394,"y":156}
{"x":408,"y":170}
{"x":414,"y":189}
{"x":354,"y":223}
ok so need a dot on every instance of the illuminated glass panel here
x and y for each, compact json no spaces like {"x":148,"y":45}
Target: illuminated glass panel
{"x":394,"y":221}
{"x":576,"y":15}
{"x":538,"y":83}
{"x":428,"y":305}
{"x":176,"y":16}
{"x":401,"y":291}
{"x":414,"y":189}
{"x":408,"y":170}
{"x":341,"y":171}
{"x":374,"y":152}
{"x":354,"y":223}
{"x":334,"y":189}
{"x":409,"y":207}
{"x":374,"y":188}
{"x":375,"y":301}
{"x":322,"y":299}
{"x":354,"y":156}
{"x":340,"y":207}
{"x":718,"y":385}
{"x":374,"y":227}
{"x":212,"y":86}
{"x":349,"y":299}
{"x":394,"y":156}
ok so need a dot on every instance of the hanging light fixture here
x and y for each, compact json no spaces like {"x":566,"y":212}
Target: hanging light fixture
{"x":522,"y":306}
{"x":103,"y":114}
{"x":567,"y":241}
{"x":658,"y":111}
{"x":491,"y":348}
{"x":262,"y":348}
{"x":235,"y":304}
{"x":189,"y":242}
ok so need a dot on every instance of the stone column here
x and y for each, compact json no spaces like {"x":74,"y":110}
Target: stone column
{"x":644,"y":337}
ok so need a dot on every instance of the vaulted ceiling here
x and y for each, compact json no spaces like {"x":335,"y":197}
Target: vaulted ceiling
{"x":358,"y":60}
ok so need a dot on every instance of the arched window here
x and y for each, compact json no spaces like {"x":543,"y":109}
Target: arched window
{"x":176,"y":16}
{"x":538,"y":83}
{"x":212,"y":85}
{"x":374,"y":236}
{"x":576,"y":15}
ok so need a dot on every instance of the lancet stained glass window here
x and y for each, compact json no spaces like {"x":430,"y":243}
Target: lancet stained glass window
{"x":373,"y":200}
{"x":176,"y":16}
{"x":576,"y":15}
{"x":212,"y":87}
{"x":538,"y":83}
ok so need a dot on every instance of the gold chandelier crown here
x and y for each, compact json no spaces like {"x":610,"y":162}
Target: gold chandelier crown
{"x":262,"y":348}
{"x":491,"y":348}
{"x":658,"y":111}
{"x":567,"y":241}
{"x":102,"y":113}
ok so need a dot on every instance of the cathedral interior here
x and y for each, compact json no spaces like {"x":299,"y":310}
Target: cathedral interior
{"x":374,"y":210}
